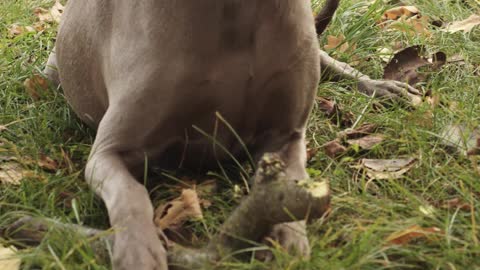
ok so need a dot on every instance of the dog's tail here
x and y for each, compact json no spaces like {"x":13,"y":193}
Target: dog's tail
{"x":325,"y":15}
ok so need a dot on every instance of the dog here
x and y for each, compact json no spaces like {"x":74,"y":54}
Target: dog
{"x":149,"y":75}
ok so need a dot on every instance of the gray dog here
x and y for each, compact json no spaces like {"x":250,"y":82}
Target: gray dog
{"x":143,"y":73}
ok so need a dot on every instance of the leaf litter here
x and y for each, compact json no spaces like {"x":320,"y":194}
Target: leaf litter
{"x":466,"y":25}
{"x":8,"y":258}
{"x":175,"y":213}
{"x":36,"y":86}
{"x":460,"y":138}
{"x":386,"y":168}
{"x":45,"y":17}
{"x":413,"y":232}
{"x":405,"y":64}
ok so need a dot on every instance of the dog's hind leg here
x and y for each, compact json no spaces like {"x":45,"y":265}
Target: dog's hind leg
{"x":51,"y":70}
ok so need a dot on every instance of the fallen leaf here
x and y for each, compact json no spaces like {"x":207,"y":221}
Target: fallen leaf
{"x":175,"y":213}
{"x":363,"y":130}
{"x":335,"y":112}
{"x":54,"y":14}
{"x":311,"y":152}
{"x":475,"y":151}
{"x":405,"y":64}
{"x":400,"y":12}
{"x":466,"y":25}
{"x":367,"y":142}
{"x":334,"y":148}
{"x":457,"y":203}
{"x":17,"y":30}
{"x":339,"y":44}
{"x":47,"y":163}
{"x":411,"y":233}
{"x":56,"y":11}
{"x":43,"y":15}
{"x":387,"y":168}
{"x":11,"y":173}
{"x":385,"y":54}
{"x":36,"y":86}
{"x":327,"y":106}
{"x":40,"y":26}
{"x":460,"y":138}
{"x":8,"y":258}
{"x":416,"y":25}
{"x":433,"y":100}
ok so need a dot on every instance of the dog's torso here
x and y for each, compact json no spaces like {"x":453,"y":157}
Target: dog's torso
{"x":150,"y":70}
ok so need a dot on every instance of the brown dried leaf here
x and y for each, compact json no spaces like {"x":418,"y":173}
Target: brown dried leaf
{"x":40,"y":26}
{"x":339,"y":44}
{"x":175,"y":213}
{"x":457,"y":203}
{"x":411,"y":233}
{"x":466,"y":25}
{"x":387,"y":168}
{"x":335,"y":112}
{"x":367,"y":142}
{"x":334,"y":148}
{"x":36,"y":86}
{"x":54,"y":14}
{"x":405,"y":64}
{"x":400,"y":12}
{"x":413,"y":26}
{"x":16,"y":30}
{"x":8,"y":258}
{"x":363,"y":130}
{"x":311,"y":152}
{"x":326,"y":106}
{"x":43,"y":15}
{"x":47,"y":163}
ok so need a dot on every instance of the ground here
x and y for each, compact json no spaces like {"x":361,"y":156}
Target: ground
{"x":439,"y":195}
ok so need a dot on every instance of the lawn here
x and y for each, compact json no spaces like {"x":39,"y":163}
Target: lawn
{"x":426,"y":219}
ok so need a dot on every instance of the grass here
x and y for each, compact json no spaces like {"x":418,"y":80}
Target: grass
{"x":364,"y":212}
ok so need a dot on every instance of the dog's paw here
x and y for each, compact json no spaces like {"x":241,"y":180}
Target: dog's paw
{"x":137,"y":247}
{"x":390,"y":89}
{"x":291,"y":237}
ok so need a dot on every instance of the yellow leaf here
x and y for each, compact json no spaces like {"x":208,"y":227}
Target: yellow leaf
{"x":11,"y":173}
{"x":400,"y":12}
{"x":339,"y":44}
{"x":8,"y":259}
{"x":35,"y":86}
{"x":411,"y":233}
{"x":178,"y":211}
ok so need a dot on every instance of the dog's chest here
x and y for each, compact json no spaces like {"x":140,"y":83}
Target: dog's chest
{"x":237,"y":25}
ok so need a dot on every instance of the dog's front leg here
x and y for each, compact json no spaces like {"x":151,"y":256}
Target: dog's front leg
{"x":292,"y":236}
{"x":381,"y":88}
{"x":136,"y":245}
